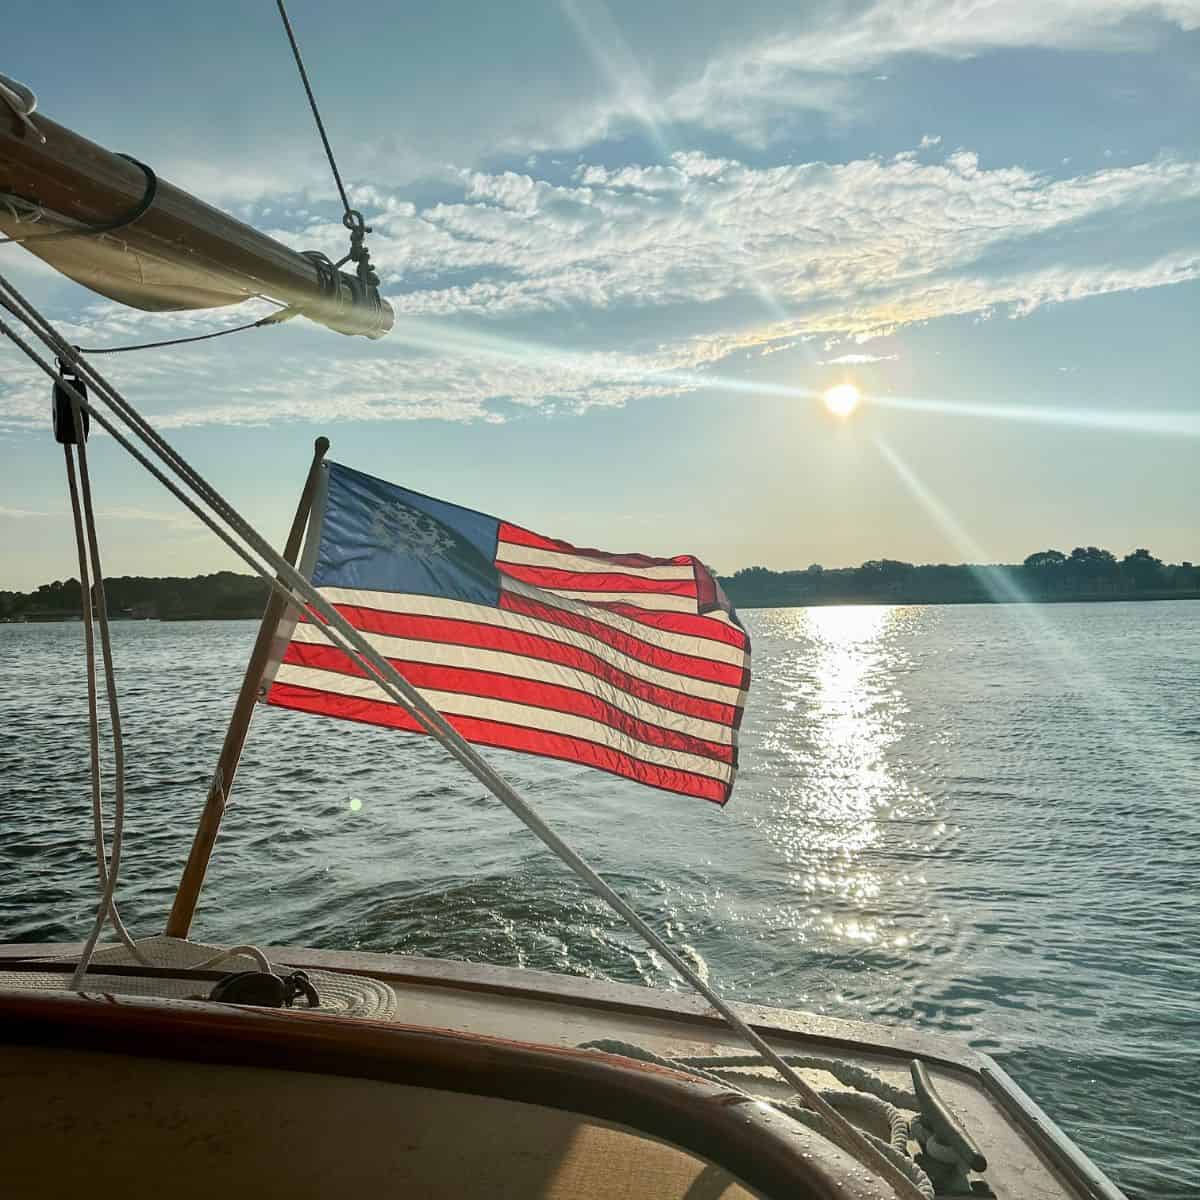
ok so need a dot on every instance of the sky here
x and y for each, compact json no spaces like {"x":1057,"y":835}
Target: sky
{"x":629,"y":245}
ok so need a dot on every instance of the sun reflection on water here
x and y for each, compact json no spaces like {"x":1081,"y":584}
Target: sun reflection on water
{"x":837,"y":794}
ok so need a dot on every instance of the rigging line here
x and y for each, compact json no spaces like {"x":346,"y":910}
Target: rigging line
{"x":56,"y":344}
{"x":138,"y":211}
{"x":275,"y":318}
{"x":312,"y":102}
{"x":114,"y":711}
{"x":85,"y":587}
{"x":294,"y":588}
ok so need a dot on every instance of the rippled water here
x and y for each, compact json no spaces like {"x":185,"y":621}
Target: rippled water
{"x":979,"y":820}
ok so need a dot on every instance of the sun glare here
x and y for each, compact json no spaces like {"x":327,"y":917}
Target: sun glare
{"x":842,"y":400}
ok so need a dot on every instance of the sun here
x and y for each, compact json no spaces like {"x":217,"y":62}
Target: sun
{"x":842,"y":400}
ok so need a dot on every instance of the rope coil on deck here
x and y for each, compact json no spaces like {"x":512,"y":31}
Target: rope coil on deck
{"x":342,"y":994}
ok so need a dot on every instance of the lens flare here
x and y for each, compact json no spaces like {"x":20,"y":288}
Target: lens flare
{"x":842,"y":400}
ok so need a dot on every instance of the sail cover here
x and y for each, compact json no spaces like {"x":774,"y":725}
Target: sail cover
{"x":635,"y":665}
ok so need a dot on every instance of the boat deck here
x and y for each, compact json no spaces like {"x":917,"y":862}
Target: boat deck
{"x":1028,"y":1157}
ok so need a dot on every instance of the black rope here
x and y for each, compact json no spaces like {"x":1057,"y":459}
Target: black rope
{"x":270,"y":319}
{"x":312,"y":101}
{"x":327,"y":272}
{"x":352,"y":219}
{"x":135,"y":214}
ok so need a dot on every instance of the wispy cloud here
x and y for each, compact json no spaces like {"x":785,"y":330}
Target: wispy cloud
{"x":840,"y":240}
{"x":858,"y":360}
{"x":816,"y":63}
{"x":21,"y":514}
{"x":174,"y":520}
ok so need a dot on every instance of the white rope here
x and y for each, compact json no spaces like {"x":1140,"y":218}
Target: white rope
{"x":109,"y":888}
{"x":263,"y":963}
{"x":21,"y":211}
{"x":853,"y":1076}
{"x":93,"y":713}
{"x":23,"y":103}
{"x":295,"y":589}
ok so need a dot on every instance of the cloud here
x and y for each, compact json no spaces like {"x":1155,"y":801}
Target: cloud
{"x":21,"y":514}
{"x":835,"y":239}
{"x":175,"y":520}
{"x":1021,"y":293}
{"x":638,"y":279}
{"x":742,"y":91}
{"x":180,"y":520}
{"x":425,"y":370}
{"x":858,"y":360}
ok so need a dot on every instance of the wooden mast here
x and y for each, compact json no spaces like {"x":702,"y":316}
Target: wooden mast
{"x":179,"y":253}
{"x":188,"y":893}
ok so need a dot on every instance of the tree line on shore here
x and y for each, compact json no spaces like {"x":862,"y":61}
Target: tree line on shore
{"x":222,"y":595}
{"x":1086,"y":573}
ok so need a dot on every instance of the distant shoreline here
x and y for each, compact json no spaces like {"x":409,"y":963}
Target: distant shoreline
{"x":1088,"y":575}
{"x":811,"y":602}
{"x":895,"y":602}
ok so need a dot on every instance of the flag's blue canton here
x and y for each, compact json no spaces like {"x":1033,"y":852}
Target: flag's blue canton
{"x":383,"y":538}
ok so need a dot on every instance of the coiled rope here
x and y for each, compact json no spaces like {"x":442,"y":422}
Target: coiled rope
{"x":295,"y":590}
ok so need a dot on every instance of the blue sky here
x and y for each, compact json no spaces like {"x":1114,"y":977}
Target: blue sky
{"x":629,"y":244}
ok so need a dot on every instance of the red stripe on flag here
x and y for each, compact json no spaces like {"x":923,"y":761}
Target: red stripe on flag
{"x":533,"y":692}
{"x":675,"y":622}
{"x":553,"y":579}
{"x":449,"y":631}
{"x":506,"y":737}
{"x":668,"y":660}
{"x":516,"y":536}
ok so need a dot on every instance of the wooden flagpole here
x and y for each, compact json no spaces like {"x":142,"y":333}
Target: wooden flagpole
{"x":188,"y":893}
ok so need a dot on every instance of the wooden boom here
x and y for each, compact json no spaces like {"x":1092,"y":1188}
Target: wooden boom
{"x":179,"y":253}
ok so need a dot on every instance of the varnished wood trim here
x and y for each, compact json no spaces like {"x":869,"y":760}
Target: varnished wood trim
{"x":515,"y":983}
{"x":759,"y":1146}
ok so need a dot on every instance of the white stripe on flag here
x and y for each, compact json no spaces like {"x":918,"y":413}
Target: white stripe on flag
{"x":520,"y":666}
{"x":522,"y":715}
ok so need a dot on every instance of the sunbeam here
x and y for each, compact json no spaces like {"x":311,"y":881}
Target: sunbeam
{"x":999,"y":588}
{"x":421,"y":333}
{"x":1136,"y":742}
{"x":602,"y":39}
{"x":432,"y":335}
{"x":1121,"y":420}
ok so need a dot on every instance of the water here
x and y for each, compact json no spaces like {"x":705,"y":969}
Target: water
{"x":980,"y":820}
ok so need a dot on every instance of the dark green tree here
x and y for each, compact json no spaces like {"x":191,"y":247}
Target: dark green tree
{"x":1143,"y":570}
{"x":1042,"y":560}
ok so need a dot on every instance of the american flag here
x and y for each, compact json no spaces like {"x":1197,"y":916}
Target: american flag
{"x":631,"y":664}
